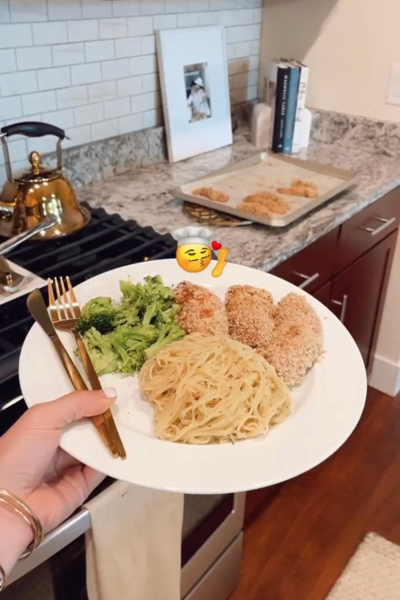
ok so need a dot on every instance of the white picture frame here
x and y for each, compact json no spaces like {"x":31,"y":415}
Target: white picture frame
{"x":197,"y":117}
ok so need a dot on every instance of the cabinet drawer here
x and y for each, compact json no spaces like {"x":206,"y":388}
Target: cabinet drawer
{"x":311,"y":267}
{"x":367,"y":228}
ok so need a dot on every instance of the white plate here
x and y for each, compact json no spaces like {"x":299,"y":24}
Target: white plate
{"x":326,"y":407}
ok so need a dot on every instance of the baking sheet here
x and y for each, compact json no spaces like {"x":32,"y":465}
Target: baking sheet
{"x":264,"y":173}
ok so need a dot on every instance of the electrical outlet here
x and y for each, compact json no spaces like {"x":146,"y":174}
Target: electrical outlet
{"x":393,"y":96}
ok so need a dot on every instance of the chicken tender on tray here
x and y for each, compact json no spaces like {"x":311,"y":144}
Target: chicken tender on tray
{"x":296,"y":342}
{"x":250,"y":315}
{"x":201,"y":310}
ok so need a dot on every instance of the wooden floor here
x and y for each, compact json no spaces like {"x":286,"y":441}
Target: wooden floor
{"x":299,"y":542}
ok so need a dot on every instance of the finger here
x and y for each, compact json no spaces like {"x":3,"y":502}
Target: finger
{"x":70,"y":408}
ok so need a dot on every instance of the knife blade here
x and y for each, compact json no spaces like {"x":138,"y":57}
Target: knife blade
{"x":38,"y":310}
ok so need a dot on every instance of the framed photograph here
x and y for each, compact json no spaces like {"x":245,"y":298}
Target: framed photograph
{"x":195,"y":90}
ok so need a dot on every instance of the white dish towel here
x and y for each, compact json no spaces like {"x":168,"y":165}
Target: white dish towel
{"x":133,"y":550}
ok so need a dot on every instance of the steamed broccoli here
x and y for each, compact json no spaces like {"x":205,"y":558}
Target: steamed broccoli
{"x":98,"y":313}
{"x":121,"y":337}
{"x":169,"y":333}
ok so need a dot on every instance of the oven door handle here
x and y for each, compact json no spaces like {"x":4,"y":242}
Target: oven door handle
{"x":53,"y":542}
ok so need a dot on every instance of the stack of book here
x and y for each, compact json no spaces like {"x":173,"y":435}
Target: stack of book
{"x":286,"y":90}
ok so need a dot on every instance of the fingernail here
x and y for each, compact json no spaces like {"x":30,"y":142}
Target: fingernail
{"x":110,"y":392}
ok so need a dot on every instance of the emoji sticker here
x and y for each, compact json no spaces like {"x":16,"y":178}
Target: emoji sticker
{"x":194,"y":251}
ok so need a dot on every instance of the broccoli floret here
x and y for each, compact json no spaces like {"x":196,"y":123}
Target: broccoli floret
{"x":100,"y":314}
{"x":102,"y":355}
{"x":168,"y":334}
{"x":102,"y":321}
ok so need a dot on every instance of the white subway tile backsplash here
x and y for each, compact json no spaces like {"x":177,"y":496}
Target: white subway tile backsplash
{"x":117,"y":108}
{"x":130,"y":123}
{"x":106,"y":129}
{"x":152,"y":8}
{"x":17,"y":150}
{"x":27,"y":11}
{"x":82,"y":31}
{"x":208,"y":18}
{"x":188,"y":20}
{"x":73,"y":96}
{"x":103,"y":50}
{"x":129,"y":87}
{"x":40,"y":102}
{"x":90,"y":66}
{"x":8,"y":63}
{"x":13,"y":84}
{"x":152,"y":118}
{"x":44,"y":145}
{"x":78,"y":136}
{"x":150,"y":83}
{"x":4,"y":12}
{"x":91,"y":113}
{"x":143,"y":102}
{"x":198,"y":5}
{"x":68,"y":54}
{"x":52,"y":79}
{"x":64,"y":9}
{"x":143,"y":65}
{"x":171,"y":6}
{"x":60,"y":118}
{"x":113,"y":28}
{"x":11,"y":107}
{"x":126,"y":8}
{"x":15,"y":36}
{"x":102,"y":91}
{"x":149,"y":44}
{"x":49,"y":33}
{"x":34,"y":58}
{"x":229,"y":18}
{"x":128,"y":47}
{"x":165,"y":22}
{"x":140,"y":26}
{"x":115,"y":69}
{"x":89,"y":73}
{"x":93,"y":9}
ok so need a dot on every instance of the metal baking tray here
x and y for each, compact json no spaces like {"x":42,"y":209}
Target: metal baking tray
{"x":265,"y":172}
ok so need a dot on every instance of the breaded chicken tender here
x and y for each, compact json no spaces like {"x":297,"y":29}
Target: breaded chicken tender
{"x":250,"y":315}
{"x":296,"y":341}
{"x":201,"y":310}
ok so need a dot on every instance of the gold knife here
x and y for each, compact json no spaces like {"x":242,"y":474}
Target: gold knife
{"x":38,"y":310}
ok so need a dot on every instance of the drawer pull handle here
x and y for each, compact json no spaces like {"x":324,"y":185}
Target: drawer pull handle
{"x":385,"y":223}
{"x":343,"y":304}
{"x":308,"y":279}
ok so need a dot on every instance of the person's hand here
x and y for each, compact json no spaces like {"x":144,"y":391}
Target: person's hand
{"x":34,"y":468}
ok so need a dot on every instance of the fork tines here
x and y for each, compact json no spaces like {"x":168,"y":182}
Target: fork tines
{"x":66,"y":305}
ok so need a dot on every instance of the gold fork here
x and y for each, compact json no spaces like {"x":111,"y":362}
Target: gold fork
{"x":65,"y":314}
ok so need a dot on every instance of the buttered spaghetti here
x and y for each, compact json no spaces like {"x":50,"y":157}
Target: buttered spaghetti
{"x":212,"y":389}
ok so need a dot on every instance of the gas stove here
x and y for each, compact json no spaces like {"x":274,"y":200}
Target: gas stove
{"x":106,"y":243}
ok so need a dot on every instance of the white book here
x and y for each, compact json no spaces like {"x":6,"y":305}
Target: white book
{"x":301,"y":105}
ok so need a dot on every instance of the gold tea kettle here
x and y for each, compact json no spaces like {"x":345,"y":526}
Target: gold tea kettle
{"x":40,"y":194}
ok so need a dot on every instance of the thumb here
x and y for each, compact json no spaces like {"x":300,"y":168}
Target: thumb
{"x":73,"y":407}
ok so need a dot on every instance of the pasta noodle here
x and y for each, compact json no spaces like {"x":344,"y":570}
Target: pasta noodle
{"x":212,"y":389}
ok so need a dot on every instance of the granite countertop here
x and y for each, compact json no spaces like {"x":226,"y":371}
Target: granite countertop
{"x":144,"y":195}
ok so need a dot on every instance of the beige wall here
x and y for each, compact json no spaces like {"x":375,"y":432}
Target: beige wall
{"x":349,"y":46}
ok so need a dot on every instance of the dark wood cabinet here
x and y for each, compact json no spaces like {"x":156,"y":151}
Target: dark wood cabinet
{"x":348,"y":271}
{"x":358,"y":292}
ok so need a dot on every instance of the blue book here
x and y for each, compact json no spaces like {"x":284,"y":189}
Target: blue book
{"x":293,"y":90}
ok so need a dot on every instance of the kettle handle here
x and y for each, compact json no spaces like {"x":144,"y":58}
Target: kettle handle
{"x":32,"y":129}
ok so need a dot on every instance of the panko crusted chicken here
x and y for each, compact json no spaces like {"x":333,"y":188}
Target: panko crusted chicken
{"x":250,"y":313}
{"x":296,"y":341}
{"x":201,"y":310}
